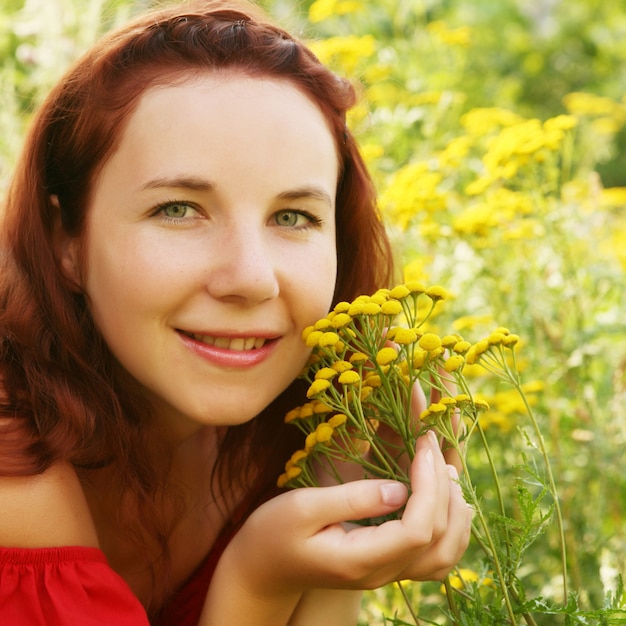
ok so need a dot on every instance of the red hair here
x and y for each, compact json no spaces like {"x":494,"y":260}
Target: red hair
{"x":63,"y":396}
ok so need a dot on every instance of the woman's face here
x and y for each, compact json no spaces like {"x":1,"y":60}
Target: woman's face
{"x":210,"y":244}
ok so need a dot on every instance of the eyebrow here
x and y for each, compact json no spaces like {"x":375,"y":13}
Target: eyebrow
{"x":300,"y":193}
{"x":200,"y":184}
{"x":180,"y":182}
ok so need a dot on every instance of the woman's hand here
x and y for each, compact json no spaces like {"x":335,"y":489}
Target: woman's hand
{"x":296,"y":541}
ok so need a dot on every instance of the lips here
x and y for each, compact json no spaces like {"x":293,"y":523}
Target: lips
{"x":237,"y":344}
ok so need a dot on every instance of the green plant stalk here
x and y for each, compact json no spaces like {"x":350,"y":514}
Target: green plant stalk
{"x":491,"y":548}
{"x":407,"y":601}
{"x":496,"y":479}
{"x":514,"y":378}
{"x":451,"y":601}
{"x":552,"y":483}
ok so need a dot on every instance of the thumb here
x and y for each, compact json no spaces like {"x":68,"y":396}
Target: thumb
{"x":351,"y":501}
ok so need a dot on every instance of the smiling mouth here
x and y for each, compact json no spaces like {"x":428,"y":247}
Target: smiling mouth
{"x":237,"y":344}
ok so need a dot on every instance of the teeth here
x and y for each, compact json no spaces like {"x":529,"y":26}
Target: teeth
{"x":238,"y":344}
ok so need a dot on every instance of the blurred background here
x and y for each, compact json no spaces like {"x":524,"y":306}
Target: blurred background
{"x":496,"y":134}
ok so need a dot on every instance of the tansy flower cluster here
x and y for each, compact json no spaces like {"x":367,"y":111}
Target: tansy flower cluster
{"x":367,"y":355}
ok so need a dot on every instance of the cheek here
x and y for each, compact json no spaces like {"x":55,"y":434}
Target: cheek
{"x":319,"y":288}
{"x":120,"y":285}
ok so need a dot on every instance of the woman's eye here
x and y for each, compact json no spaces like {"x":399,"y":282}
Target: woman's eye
{"x":176,"y":210}
{"x":293,"y":219}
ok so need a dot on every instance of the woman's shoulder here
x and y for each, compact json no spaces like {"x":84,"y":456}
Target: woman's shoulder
{"x":45,"y":510}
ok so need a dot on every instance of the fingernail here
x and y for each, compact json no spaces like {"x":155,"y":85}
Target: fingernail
{"x":393,"y":494}
{"x":454,"y":474}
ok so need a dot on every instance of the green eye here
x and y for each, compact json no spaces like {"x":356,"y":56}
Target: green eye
{"x":175,"y":210}
{"x":288,"y":218}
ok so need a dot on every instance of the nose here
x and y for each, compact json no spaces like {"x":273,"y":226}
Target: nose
{"x":244,"y":267}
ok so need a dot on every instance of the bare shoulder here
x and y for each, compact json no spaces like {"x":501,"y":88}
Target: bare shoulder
{"x":46,"y":510}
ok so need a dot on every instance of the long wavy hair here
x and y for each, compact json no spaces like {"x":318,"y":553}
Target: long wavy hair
{"x":62,"y":397}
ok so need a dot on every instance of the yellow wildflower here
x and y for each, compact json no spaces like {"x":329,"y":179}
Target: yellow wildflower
{"x":419,"y":358}
{"x":465,"y":576}
{"x":449,"y":341}
{"x":504,"y":422}
{"x":481,"y":121}
{"x":349,"y":378}
{"x":321,"y":10}
{"x":326,"y":373}
{"x":399,"y":292}
{"x":366,"y":391}
{"x":471,"y":321}
{"x":324,"y":432}
{"x":341,"y":307}
{"x":613,"y":197}
{"x":533,"y":386}
{"x":338,"y":420}
{"x":430,"y":342}
{"x":313,"y":338}
{"x":317,"y":387}
{"x":510,"y":340}
{"x":371,"y":308}
{"x":327,"y":339}
{"x":476,"y":351}
{"x":415,"y":287}
{"x":386,"y":356}
{"x":448,"y":402}
{"x":495,"y":339}
{"x":356,"y":308}
{"x":358,"y":357}
{"x":306,"y":410}
{"x":404,"y":336}
{"x":342,"y":366}
{"x":306,"y":332}
{"x":579,"y":103}
{"x":454,"y":363}
{"x":292,"y":415}
{"x":322,"y":324}
{"x":462,"y":400}
{"x":460,"y":36}
{"x":340,"y":320}
{"x":391,"y":307}
{"x":481,"y":405}
{"x":373,"y":380}
{"x":436,"y":293}
{"x":345,"y":52}
{"x":413,"y":190}
{"x":455,"y":151}
{"x":297,"y":457}
{"x":379,"y":298}
{"x":310,"y":442}
{"x":461,"y":347}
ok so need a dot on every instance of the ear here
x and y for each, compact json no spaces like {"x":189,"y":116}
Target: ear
{"x":66,"y":249}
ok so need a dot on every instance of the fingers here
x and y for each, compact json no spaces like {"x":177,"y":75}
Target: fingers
{"x":356,"y":500}
{"x":430,"y":482}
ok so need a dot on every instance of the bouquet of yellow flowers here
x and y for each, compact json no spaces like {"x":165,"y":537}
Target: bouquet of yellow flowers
{"x":366,"y":357}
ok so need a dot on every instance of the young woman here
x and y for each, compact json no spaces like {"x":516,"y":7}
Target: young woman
{"x":187,"y":201}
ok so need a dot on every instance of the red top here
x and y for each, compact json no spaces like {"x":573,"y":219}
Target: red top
{"x":67,"y":586}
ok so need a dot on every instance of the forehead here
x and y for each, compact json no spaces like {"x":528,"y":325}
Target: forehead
{"x":232,"y":130}
{"x":226,"y":112}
